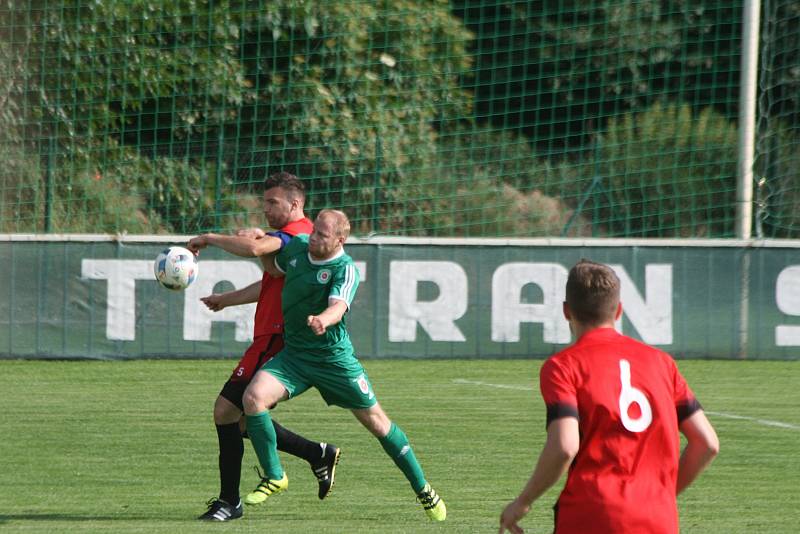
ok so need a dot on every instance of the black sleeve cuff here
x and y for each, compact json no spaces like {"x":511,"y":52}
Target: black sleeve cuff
{"x":557,"y":411}
{"x":688,"y":408}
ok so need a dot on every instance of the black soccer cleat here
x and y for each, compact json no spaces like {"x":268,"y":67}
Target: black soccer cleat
{"x":325,"y":468}
{"x":219,"y":510}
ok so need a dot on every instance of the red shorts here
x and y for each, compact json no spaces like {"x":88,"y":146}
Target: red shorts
{"x":262,"y":349}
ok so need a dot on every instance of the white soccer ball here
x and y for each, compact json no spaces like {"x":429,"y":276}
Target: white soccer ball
{"x":175,"y":268}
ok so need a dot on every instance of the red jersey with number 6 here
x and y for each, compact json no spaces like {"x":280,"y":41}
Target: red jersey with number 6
{"x":269,"y":318}
{"x":628,"y":398}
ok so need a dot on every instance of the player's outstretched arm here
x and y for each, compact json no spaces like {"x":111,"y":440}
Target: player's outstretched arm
{"x":246,"y":295}
{"x":563,"y":440}
{"x":702,"y":446}
{"x":246,"y":245}
{"x":255,"y":233}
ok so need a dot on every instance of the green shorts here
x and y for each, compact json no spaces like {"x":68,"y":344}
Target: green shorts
{"x":344,"y":384}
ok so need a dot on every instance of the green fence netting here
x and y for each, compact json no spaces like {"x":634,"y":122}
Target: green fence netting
{"x":417,"y":117}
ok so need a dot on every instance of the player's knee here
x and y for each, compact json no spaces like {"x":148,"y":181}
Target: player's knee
{"x":225,"y":412}
{"x":252,"y":402}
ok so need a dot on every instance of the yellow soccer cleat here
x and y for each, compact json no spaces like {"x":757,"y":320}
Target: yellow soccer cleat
{"x":432,"y":503}
{"x":266,"y":488}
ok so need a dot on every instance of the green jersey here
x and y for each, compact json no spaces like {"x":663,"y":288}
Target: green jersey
{"x":307,"y":287}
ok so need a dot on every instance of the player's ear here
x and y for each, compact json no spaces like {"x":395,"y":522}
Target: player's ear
{"x":566,"y":311}
{"x":619,"y":312}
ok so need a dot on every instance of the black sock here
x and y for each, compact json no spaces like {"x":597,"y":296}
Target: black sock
{"x":297,"y":445}
{"x":231,"y":450}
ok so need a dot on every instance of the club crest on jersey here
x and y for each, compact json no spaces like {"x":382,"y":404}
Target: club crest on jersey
{"x":363,"y":385}
{"x":323,"y":275}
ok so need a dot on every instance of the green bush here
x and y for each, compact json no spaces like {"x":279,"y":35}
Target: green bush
{"x":665,"y":172}
{"x":21,"y":191}
{"x":489,"y":208}
{"x":191,"y":196}
{"x":484,"y":183}
{"x":128,"y":193}
{"x":777,"y":176}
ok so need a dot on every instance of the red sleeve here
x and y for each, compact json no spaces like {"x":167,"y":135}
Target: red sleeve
{"x":685,"y":402}
{"x":558,"y":390}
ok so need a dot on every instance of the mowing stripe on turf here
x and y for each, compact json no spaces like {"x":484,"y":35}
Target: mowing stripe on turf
{"x":765,"y":422}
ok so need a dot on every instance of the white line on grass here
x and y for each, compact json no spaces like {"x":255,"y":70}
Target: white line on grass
{"x":765,"y":422}
{"x":501,"y":386}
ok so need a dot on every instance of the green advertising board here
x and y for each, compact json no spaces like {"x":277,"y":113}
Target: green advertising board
{"x":96,"y":297}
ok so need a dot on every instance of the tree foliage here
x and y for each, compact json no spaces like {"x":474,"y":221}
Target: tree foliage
{"x":664,"y":172}
{"x":127,"y":87}
{"x":420,"y":115}
{"x":558,"y":70}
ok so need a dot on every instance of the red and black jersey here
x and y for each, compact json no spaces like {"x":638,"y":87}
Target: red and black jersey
{"x":629,"y":399}
{"x":269,"y":318}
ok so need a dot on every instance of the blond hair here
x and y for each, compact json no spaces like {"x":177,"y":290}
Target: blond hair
{"x":341,"y":222}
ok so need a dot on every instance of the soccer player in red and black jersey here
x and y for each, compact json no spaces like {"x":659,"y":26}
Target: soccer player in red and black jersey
{"x":284,"y":198}
{"x":615,"y":407}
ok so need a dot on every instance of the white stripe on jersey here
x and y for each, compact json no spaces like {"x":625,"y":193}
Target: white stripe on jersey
{"x":349,"y":281}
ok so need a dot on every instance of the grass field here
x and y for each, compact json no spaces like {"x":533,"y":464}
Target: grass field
{"x":130,"y":447}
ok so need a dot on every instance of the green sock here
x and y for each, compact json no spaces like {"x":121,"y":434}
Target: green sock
{"x":262,"y":436}
{"x":396,"y":445}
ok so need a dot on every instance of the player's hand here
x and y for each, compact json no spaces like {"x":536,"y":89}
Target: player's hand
{"x":316,"y":324}
{"x":512,"y":515}
{"x":252,"y":233}
{"x":214,"y":302}
{"x":196,"y":244}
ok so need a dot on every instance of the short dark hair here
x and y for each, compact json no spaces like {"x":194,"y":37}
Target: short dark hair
{"x":288,"y":182}
{"x":593,"y":292}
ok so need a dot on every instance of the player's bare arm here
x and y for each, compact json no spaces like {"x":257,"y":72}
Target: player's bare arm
{"x":270,"y":267}
{"x":702,"y":446}
{"x":246,"y":246}
{"x":563,"y":440}
{"x":246,"y":295}
{"x":332,"y":315}
{"x":268,"y":264}
{"x":255,"y":233}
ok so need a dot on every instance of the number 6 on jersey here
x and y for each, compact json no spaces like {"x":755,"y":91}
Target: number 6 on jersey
{"x":630,"y":395}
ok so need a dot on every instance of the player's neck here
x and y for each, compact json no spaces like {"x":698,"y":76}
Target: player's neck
{"x":296,"y":216}
{"x":579,"y":329}
{"x":336,"y":253}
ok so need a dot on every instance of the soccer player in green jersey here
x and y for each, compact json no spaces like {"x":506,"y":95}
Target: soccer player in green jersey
{"x":319,"y":286}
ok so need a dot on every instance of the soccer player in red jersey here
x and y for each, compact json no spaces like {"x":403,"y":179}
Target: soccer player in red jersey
{"x":615,"y":407}
{"x":284,"y":198}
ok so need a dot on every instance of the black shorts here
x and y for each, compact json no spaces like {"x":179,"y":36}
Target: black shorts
{"x":234,"y":391}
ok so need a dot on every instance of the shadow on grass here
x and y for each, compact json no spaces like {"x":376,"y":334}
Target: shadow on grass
{"x":5,"y":518}
{"x":65,"y":516}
